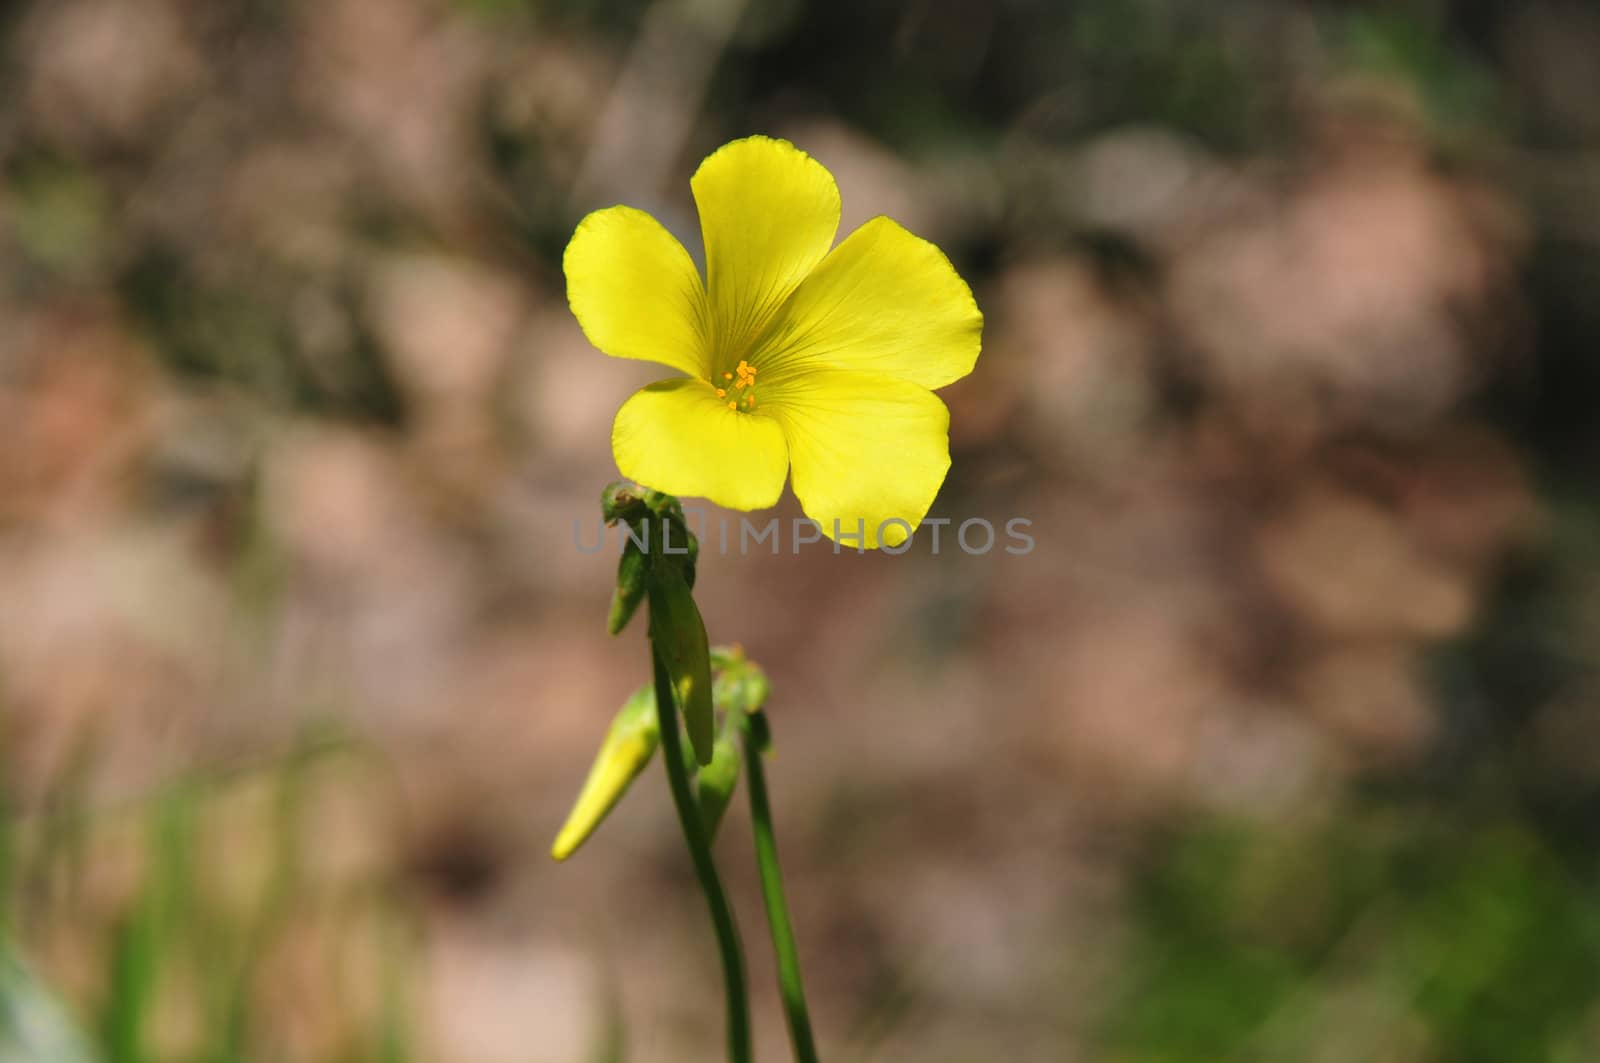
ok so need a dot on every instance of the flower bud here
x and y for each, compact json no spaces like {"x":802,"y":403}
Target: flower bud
{"x":632,"y":569}
{"x":756,"y":688}
{"x":726,"y":657}
{"x":716,"y":781}
{"x":621,"y":501}
{"x":629,"y":744}
{"x":741,"y":685}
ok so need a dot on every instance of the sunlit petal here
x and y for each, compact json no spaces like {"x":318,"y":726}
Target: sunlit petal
{"x":635,"y":290}
{"x":677,"y":436}
{"x":864,"y":449}
{"x":769,"y":213}
{"x":885,"y":301}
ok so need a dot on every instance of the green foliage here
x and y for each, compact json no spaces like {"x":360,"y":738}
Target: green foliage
{"x":1465,"y":941}
{"x":235,"y":331}
{"x":1457,"y":95}
{"x":179,"y":951}
{"x":59,"y":213}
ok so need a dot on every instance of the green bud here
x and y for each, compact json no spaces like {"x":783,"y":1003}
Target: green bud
{"x":741,"y":685}
{"x":756,"y":688}
{"x":621,"y":500}
{"x":760,"y":733}
{"x":679,"y":636}
{"x":663,"y":505}
{"x":727,"y":691}
{"x":629,"y":744}
{"x":632,"y":572}
{"x":716,"y":781}
{"x":725,"y":657}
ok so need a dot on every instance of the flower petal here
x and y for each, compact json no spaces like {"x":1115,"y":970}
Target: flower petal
{"x":885,"y":301}
{"x":768,"y":212}
{"x":677,"y":436}
{"x":864,"y":449}
{"x":635,"y":290}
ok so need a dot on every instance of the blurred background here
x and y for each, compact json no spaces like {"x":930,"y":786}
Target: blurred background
{"x":1282,"y":745}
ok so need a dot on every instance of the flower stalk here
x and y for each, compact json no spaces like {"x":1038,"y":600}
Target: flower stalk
{"x":705,"y":870}
{"x":791,"y":988}
{"x":692,"y":680}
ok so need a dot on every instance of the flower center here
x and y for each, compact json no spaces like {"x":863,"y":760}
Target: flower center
{"x":745,"y":382}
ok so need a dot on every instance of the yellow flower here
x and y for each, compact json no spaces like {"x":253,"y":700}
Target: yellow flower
{"x":795,"y":357}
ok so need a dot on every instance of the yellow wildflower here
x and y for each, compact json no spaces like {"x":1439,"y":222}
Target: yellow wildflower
{"x":831,"y":355}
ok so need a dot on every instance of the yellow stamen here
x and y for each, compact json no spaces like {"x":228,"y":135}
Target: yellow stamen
{"x":743,"y":377}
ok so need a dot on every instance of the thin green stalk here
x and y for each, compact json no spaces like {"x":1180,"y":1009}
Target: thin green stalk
{"x":783,"y":946}
{"x":739,"y":1050}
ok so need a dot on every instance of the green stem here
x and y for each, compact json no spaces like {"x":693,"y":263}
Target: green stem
{"x":783,"y":946}
{"x":739,"y":1050}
